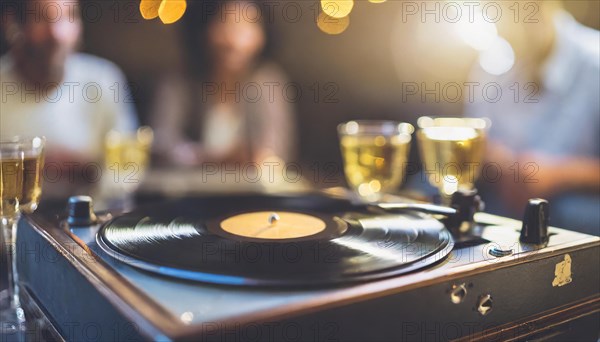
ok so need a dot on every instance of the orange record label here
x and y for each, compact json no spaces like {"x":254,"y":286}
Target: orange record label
{"x":273,"y":225}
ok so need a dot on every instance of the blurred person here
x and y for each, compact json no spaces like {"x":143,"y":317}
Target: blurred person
{"x":227,"y":105}
{"x":546,"y":136}
{"x":48,"y":89}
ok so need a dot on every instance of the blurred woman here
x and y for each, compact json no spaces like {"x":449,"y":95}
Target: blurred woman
{"x":228,"y":104}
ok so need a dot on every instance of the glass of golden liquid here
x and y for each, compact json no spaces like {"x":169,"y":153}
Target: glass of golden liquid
{"x":126,"y":159}
{"x":452,"y":151}
{"x":375,"y":154}
{"x":21,"y":164}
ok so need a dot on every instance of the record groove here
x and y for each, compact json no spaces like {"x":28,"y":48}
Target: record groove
{"x":185,"y":239}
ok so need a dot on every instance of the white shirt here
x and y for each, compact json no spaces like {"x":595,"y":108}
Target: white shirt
{"x":92,"y":99}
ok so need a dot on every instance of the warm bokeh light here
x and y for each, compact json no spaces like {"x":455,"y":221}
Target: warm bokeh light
{"x":332,"y":20}
{"x":169,"y":11}
{"x":149,"y":8}
{"x":337,"y":8}
{"x":331,"y":25}
{"x":499,"y":58}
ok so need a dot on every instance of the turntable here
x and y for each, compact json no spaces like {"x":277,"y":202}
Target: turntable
{"x":308,"y":267}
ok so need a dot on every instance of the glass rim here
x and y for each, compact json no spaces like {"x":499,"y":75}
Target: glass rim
{"x":19,"y":139}
{"x":375,"y":127}
{"x":142,"y":134}
{"x":11,"y":149}
{"x":25,"y":143}
{"x":483,"y":123}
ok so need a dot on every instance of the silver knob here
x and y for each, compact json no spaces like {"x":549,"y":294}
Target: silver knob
{"x":273,"y":219}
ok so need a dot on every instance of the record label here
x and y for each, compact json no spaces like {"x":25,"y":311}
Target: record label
{"x":273,"y":225}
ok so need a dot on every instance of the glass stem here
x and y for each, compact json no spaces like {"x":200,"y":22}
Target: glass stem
{"x":9,"y":261}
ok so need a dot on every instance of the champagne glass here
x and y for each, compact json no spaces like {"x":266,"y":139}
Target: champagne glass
{"x":21,"y":162}
{"x":452,"y":151}
{"x":375,"y":154}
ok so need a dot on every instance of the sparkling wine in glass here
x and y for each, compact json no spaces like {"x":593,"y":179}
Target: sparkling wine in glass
{"x":11,"y":179}
{"x":452,"y":151}
{"x":33,"y":165}
{"x":21,"y":162}
{"x":375,"y":155}
{"x":126,"y":159}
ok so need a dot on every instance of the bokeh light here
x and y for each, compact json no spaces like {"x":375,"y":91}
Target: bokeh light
{"x":477,"y":33}
{"x":332,"y":25}
{"x":450,"y":185}
{"x":337,"y":8}
{"x":499,"y":58}
{"x":149,"y":8}
{"x":171,"y":10}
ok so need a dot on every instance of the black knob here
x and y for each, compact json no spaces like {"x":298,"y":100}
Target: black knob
{"x":81,"y":211}
{"x":466,"y":203}
{"x":535,"y":222}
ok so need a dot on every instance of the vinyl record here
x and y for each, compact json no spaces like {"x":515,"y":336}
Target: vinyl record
{"x":274,"y":240}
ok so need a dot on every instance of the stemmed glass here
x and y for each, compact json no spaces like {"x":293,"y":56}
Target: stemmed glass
{"x":452,"y":150}
{"x":375,"y":154}
{"x":21,"y":164}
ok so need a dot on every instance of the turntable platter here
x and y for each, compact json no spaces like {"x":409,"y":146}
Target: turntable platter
{"x":274,"y":240}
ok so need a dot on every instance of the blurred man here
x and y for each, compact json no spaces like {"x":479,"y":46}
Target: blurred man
{"x":47,"y":89}
{"x":546,"y":124}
